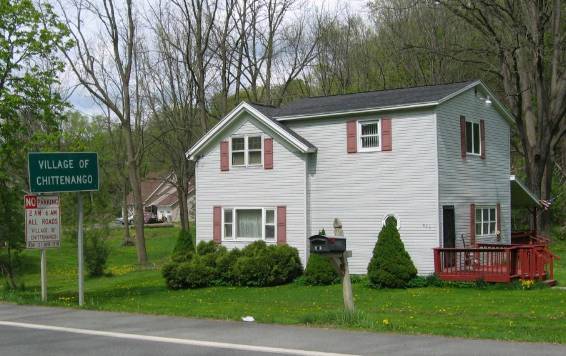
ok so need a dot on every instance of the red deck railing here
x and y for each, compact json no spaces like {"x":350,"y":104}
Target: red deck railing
{"x":494,"y":263}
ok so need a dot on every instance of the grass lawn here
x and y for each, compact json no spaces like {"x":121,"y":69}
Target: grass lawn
{"x":533,"y":315}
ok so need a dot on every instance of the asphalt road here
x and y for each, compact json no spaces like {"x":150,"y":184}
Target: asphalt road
{"x":29,"y":330}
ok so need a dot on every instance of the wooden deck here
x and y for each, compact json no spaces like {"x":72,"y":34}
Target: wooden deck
{"x":494,"y":263}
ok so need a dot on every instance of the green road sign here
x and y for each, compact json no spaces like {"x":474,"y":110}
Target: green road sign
{"x":62,"y":171}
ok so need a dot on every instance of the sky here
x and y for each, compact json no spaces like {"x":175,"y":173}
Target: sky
{"x":82,"y":101}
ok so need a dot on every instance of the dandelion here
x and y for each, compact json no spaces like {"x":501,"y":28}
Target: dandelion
{"x":385,"y":321}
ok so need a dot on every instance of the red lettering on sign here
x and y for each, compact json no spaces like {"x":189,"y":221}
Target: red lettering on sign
{"x":30,"y":201}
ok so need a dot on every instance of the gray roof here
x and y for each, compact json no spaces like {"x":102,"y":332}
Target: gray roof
{"x":367,"y":100}
{"x":269,"y":111}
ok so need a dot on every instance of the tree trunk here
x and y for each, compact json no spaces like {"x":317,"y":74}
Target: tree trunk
{"x":183,"y":207}
{"x":135,"y":182}
{"x":127,"y":240}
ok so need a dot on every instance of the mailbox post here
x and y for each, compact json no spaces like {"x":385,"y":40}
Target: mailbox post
{"x":335,"y":249}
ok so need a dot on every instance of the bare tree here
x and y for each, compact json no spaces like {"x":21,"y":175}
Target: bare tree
{"x":170,"y":89}
{"x":528,"y":40}
{"x":106,"y":70}
{"x":198,"y":18}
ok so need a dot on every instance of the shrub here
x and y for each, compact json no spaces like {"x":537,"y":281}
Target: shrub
{"x":319,"y":271}
{"x":169,"y":272}
{"x":225,"y":267}
{"x":256,"y":265}
{"x":184,"y":247}
{"x":285,"y":264}
{"x":208,"y":247}
{"x":391,"y":266}
{"x":96,"y":251}
{"x":252,"y":271}
{"x":194,"y":274}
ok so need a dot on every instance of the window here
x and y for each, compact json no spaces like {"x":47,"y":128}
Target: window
{"x":473,"y":137}
{"x":238,"y":151}
{"x":247,"y":151}
{"x":369,"y":135}
{"x":486,"y":221}
{"x":391,"y":219}
{"x":254,"y":150}
{"x":228,"y":224}
{"x":249,"y":224}
{"x":270,"y":224}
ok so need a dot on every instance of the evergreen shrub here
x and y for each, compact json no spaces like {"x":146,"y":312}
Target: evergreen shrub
{"x":391,"y":266}
{"x":319,"y":271}
{"x":256,"y":265}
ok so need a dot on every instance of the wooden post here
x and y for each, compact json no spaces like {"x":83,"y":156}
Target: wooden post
{"x":340,"y":263}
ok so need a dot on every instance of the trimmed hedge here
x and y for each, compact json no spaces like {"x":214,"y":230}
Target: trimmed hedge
{"x":391,"y":266}
{"x":319,"y":271}
{"x":256,"y":265}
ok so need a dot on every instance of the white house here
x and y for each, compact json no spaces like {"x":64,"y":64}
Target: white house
{"x":437,"y":158}
{"x":159,"y":196}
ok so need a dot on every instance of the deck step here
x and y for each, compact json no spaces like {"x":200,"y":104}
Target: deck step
{"x":550,"y":282}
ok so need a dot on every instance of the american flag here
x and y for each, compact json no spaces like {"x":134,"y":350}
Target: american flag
{"x":546,"y":203}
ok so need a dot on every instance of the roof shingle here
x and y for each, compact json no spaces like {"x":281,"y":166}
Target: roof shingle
{"x":367,"y":100}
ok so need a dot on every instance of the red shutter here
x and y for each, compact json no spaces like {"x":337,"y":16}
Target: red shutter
{"x":351,"y":133}
{"x":386,"y":139}
{"x":217,"y":224}
{"x":281,"y":225}
{"x":482,"y":139}
{"x":268,"y":153}
{"x":473,"y":224}
{"x":463,"y":136}
{"x":498,"y":217}
{"x":224,"y":156}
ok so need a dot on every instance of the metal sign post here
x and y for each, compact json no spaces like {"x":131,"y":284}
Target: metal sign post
{"x":63,"y":172}
{"x":43,"y":275}
{"x":80,"y":249}
{"x":43,"y":229}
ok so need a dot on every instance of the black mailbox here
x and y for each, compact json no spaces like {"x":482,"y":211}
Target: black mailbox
{"x":322,"y":244}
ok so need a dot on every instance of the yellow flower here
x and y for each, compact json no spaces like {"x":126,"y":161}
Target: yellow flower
{"x":385,"y":321}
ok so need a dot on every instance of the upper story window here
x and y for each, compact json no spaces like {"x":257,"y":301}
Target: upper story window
{"x":486,"y":221}
{"x":473,"y":145}
{"x":369,"y":133}
{"x":246,"y":151}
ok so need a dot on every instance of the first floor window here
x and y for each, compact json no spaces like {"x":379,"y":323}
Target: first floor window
{"x":486,"y":221}
{"x":269,"y":224}
{"x":249,"y":223}
{"x":472,"y":137}
{"x":228,"y":223}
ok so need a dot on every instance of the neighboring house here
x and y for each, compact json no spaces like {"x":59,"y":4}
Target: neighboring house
{"x":437,"y":158}
{"x":160,"y":196}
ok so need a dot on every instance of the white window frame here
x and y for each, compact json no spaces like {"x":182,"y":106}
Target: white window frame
{"x":359,"y":135}
{"x":472,"y":153}
{"x":480,"y":232}
{"x":263,"y":223}
{"x":247,"y":151}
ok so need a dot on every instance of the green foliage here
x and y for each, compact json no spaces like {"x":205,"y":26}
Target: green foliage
{"x":255,"y":265}
{"x":391,"y":266}
{"x":195,"y":273}
{"x":29,"y":107}
{"x":262,"y":265}
{"x":319,"y":271}
{"x":184,"y":248}
{"x":96,"y":251}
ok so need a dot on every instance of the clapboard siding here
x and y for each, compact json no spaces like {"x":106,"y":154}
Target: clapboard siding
{"x":284,"y":185}
{"x":473,"y":180}
{"x":362,"y":188}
